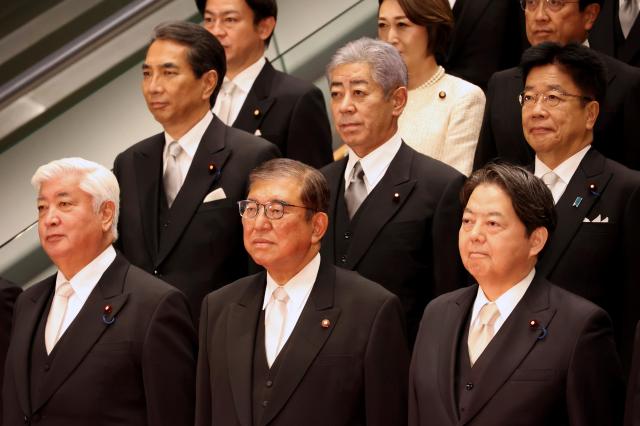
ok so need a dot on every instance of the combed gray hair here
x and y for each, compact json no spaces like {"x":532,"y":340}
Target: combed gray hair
{"x":387,"y":67}
{"x":97,"y":181}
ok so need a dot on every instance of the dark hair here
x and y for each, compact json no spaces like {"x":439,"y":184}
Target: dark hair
{"x":530,"y":197}
{"x":436,"y":17}
{"x":314,"y":189}
{"x":205,"y":51}
{"x":261,"y":9}
{"x":582,"y":4}
{"x":586,"y":69}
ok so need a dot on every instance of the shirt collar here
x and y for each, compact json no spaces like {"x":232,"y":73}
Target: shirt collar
{"x":245,"y":78}
{"x":86,"y":279}
{"x":507,"y":301}
{"x":298,"y":287}
{"x":376,"y":163}
{"x":190,"y":141}
{"x":566,"y":169}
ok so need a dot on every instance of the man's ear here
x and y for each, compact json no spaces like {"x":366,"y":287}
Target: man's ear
{"x":209,"y":82}
{"x":107,"y":214}
{"x":399,"y":97}
{"x":590,"y":15}
{"x":265,"y":27}
{"x":593,"y":109}
{"x":538,"y":239}
{"x":320,"y":222}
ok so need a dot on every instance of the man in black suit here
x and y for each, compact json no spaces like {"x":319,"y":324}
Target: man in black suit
{"x":8,"y":295}
{"x":179,"y":187}
{"x":611,"y":37}
{"x":305,"y":343}
{"x":488,"y":36}
{"x":594,"y":252}
{"x":617,"y":129}
{"x":632,"y":407}
{"x":393,"y":212}
{"x":255,"y":96}
{"x":101,"y":342}
{"x":513,"y":349}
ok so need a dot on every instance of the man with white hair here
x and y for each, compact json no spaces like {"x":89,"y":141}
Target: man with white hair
{"x":90,"y":344}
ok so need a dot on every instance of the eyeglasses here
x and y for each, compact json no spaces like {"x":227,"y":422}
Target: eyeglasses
{"x":528,"y":99}
{"x":274,"y":210}
{"x":552,"y":5}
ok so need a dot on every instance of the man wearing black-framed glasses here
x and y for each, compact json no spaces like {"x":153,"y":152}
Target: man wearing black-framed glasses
{"x":594,"y":251}
{"x":304,"y":342}
{"x":563,"y":22}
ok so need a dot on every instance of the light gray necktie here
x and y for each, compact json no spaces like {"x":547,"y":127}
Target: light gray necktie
{"x":228,"y":88}
{"x":551,"y":180}
{"x":56,"y":316}
{"x":274,"y":323}
{"x":172,"y":174}
{"x":483,"y":332}
{"x":356,"y":191}
{"x":628,"y":13}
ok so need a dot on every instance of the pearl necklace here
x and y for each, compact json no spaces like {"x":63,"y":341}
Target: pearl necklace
{"x":433,"y":80}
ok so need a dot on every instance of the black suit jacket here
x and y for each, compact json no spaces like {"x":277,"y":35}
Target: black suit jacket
{"x":488,"y":37}
{"x":606,"y":35}
{"x":632,"y":410}
{"x":201,"y":246}
{"x":615,"y":134}
{"x":599,"y":261}
{"x":571,"y":376}
{"x":352,"y":373}
{"x":139,"y":370}
{"x":8,"y":294}
{"x":408,"y":243}
{"x":290,"y":113}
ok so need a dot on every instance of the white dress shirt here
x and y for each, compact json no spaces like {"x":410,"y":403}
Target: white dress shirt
{"x":506,"y":302}
{"x":298,"y":288}
{"x":243,"y":82}
{"x":83,"y":284}
{"x":189,"y":144}
{"x":564,"y":171}
{"x":374,"y":164}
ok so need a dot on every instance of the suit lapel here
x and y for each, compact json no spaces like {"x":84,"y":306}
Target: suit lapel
{"x":395,"y":181}
{"x":570,"y":218}
{"x":257,"y":103}
{"x":336,"y":188}
{"x":25,"y":329}
{"x":307,"y":338}
{"x":602,"y":37}
{"x":454,"y":322}
{"x":241,"y":335}
{"x":148,"y":172}
{"x":86,"y":328}
{"x":199,"y":181}
{"x":469,"y":15}
{"x":496,"y":363}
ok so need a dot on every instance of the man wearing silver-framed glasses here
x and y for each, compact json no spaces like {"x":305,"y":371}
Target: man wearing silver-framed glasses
{"x":563,"y":22}
{"x":594,"y":250}
{"x":303,"y":342}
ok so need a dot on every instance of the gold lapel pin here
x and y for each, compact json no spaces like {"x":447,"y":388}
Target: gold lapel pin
{"x":256,"y":113}
{"x":325,"y":323}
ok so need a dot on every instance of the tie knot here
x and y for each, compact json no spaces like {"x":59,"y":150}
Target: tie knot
{"x":550,"y":179}
{"x":489,"y":313}
{"x":65,"y":290}
{"x":357,"y":174}
{"x":228,"y":87}
{"x":174,"y":149}
{"x":280,"y":294}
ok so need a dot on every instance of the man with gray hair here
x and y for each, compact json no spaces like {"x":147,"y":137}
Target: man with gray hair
{"x":91,"y":344}
{"x":393,"y":212}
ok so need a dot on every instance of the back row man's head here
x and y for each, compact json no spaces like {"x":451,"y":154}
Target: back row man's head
{"x":560,"y":21}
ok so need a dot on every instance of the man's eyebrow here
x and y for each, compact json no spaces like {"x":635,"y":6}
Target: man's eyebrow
{"x":165,"y":65}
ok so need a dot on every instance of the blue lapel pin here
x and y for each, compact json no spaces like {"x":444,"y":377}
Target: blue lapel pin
{"x":576,"y":202}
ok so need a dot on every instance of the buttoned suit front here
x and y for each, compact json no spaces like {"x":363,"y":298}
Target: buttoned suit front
{"x":606,"y":35}
{"x":562,"y":371}
{"x":594,"y":250}
{"x":290,"y":113}
{"x":198,"y":246}
{"x":345,"y":363}
{"x":132,"y":363}
{"x":8,"y":294}
{"x":488,"y":36}
{"x":615,"y":133}
{"x":404,"y":236}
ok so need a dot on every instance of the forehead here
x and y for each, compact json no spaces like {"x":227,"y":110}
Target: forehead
{"x":390,"y":9}
{"x":68,"y":184}
{"x":549,"y":76}
{"x":227,"y":6}
{"x":352,"y":73}
{"x":164,"y":52}
{"x":285,"y":189}
{"x":490,"y":199}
